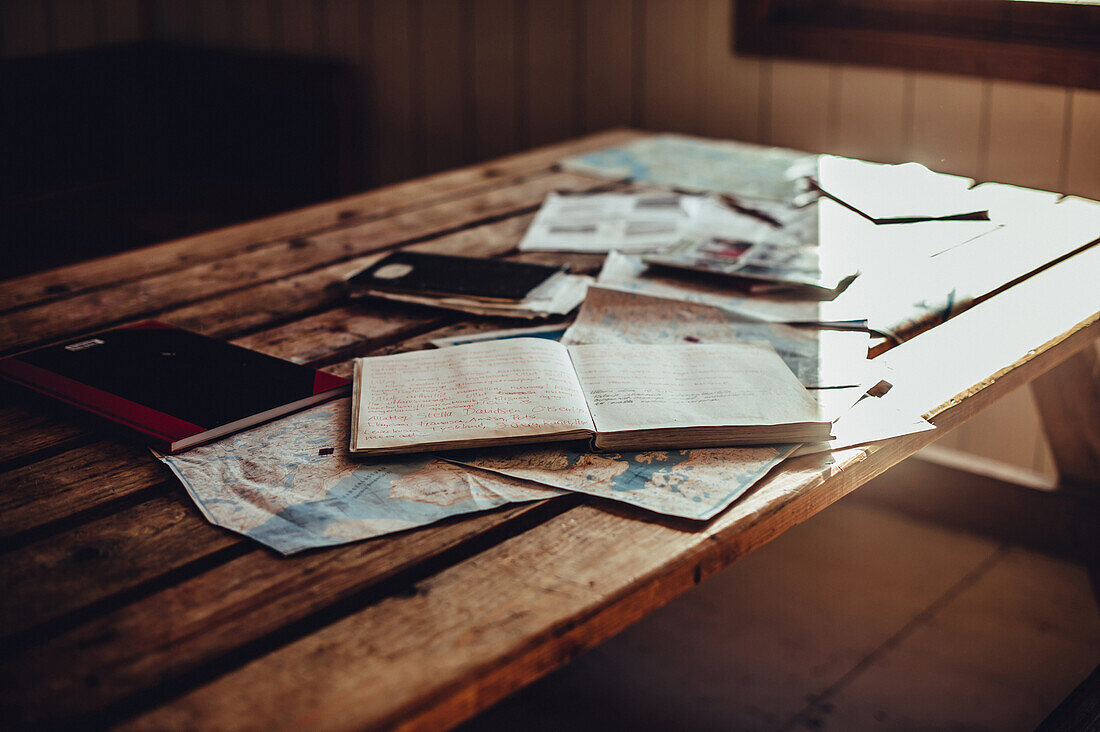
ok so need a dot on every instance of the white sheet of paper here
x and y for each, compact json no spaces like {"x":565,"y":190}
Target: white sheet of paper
{"x":631,"y":387}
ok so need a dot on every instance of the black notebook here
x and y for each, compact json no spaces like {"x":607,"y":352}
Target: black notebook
{"x":175,"y":387}
{"x":421,"y":273}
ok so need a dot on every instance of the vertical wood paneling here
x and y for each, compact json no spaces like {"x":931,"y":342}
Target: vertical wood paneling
{"x":608,"y":66}
{"x":342,"y":32}
{"x":673,"y":65}
{"x":870,"y":114}
{"x":392,"y":82}
{"x":345,"y":35}
{"x":176,"y":20}
{"x":219,"y":23}
{"x":946,"y":123}
{"x":800,"y":105}
{"x":1026,"y":128}
{"x":258,"y":26}
{"x":26,"y":27}
{"x":552,"y":59}
{"x":494,"y":72}
{"x":1083,"y":166}
{"x":123,"y":20}
{"x":444,"y":74}
{"x":731,"y":88}
{"x":76,"y":24}
{"x":302,"y":21}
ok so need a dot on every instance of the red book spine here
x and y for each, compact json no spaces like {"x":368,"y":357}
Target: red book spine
{"x":163,"y":427}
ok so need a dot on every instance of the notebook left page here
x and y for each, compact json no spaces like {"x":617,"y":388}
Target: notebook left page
{"x":516,"y":390}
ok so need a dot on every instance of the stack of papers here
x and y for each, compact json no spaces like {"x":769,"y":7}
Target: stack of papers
{"x":480,"y":286}
{"x":558,"y":296}
{"x":797,"y":227}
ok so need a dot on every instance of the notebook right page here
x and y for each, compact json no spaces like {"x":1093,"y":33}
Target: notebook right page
{"x":635,"y":387}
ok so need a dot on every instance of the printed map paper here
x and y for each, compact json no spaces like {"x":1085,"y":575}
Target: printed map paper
{"x":291,"y":485}
{"x":703,"y":165}
{"x":694,"y":484}
{"x":628,"y":272}
{"x":819,"y":358}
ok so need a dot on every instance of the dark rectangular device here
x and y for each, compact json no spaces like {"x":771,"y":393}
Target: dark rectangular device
{"x":175,"y":387}
{"x":420,"y":273}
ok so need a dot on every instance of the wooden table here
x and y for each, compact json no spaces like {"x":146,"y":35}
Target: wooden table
{"x":123,"y":606}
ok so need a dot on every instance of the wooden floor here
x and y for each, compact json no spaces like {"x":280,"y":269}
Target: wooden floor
{"x":857,"y":619}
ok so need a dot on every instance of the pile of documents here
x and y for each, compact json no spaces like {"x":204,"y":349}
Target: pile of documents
{"x":486,"y":287}
{"x":782,"y":262}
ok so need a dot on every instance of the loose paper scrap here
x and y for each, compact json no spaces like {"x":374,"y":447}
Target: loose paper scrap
{"x":694,"y":484}
{"x":549,"y":332}
{"x":897,"y":193}
{"x":627,"y":272}
{"x":871,"y":419}
{"x":631,"y":222}
{"x":698,"y":164}
{"x":291,"y":485}
{"x":604,"y":221}
{"x":819,"y":358}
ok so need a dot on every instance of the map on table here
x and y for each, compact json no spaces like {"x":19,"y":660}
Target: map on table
{"x":698,"y":164}
{"x":629,"y":272}
{"x":819,"y":358}
{"x":694,"y":484}
{"x":291,"y":484}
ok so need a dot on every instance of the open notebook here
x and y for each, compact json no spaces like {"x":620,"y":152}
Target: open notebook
{"x":620,"y":396}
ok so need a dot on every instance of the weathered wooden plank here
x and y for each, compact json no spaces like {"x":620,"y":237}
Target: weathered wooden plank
{"x":74,"y":481}
{"x":25,"y":429}
{"x":285,"y":298}
{"x":49,"y":579}
{"x":65,"y":282}
{"x":482,"y":628}
{"x":1068,"y":398}
{"x":155,"y":294}
{"x":345,"y":332}
{"x":169,"y":634}
{"x":488,"y":624}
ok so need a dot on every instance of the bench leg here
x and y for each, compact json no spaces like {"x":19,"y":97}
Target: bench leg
{"x":1068,"y":397}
